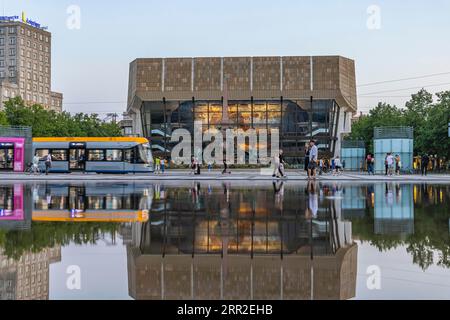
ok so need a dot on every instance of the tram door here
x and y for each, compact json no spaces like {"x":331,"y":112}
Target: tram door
{"x":77,"y":156}
{"x":7,"y":156}
{"x":77,"y":201}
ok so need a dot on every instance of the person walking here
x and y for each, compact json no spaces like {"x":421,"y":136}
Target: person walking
{"x":321,"y":164}
{"x":157,"y":165}
{"x":338,"y":165}
{"x":48,"y":163}
{"x":225,"y":167}
{"x":313,"y":156}
{"x":425,"y":161}
{"x":370,"y":164}
{"x":35,"y":164}
{"x":307,"y":151}
{"x":281,"y":165}
{"x":193,"y":168}
{"x":163,"y":165}
{"x":390,"y":161}
{"x":386,"y":166}
{"x":398,"y":164}
{"x":276,"y":166}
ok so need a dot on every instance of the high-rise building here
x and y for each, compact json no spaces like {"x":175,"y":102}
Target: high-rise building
{"x":304,"y":97}
{"x":25,"y":63}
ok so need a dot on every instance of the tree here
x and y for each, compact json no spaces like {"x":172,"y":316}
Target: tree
{"x":46,"y":123}
{"x":3,"y":119}
{"x":382,"y":115}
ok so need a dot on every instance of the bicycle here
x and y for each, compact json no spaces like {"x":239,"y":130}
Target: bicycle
{"x":32,"y":169}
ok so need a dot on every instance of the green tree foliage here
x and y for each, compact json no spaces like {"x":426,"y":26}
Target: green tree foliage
{"x":47,"y":123}
{"x":429,"y":120}
{"x":382,"y":115}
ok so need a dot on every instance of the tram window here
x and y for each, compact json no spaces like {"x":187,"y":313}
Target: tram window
{"x":59,"y":155}
{"x":96,"y":155}
{"x":129,"y":155}
{"x":41,"y":153}
{"x":114,"y":155}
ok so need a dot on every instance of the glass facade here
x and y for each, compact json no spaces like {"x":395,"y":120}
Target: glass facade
{"x":297,"y":121}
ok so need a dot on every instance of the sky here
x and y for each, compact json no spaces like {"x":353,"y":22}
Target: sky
{"x":389,"y":40}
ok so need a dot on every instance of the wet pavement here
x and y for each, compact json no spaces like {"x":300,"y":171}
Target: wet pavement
{"x":225,"y":240}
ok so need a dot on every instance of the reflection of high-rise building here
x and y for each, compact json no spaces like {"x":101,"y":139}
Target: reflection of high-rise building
{"x":27,"y":278}
{"x":241,"y":244}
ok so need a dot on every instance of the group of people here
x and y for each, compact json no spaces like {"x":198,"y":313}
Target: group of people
{"x":392,"y":164}
{"x":48,"y":159}
{"x":160,"y":165}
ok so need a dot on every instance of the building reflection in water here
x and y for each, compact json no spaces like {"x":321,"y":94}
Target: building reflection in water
{"x":394,"y":209}
{"x":219,"y":241}
{"x":242,"y":243}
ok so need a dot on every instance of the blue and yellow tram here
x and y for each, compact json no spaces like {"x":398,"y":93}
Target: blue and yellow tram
{"x":96,"y":155}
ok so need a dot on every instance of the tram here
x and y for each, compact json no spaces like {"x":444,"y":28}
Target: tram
{"x":118,"y":155}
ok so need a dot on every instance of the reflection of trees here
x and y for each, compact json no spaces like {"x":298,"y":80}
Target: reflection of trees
{"x":50,"y":234}
{"x":431,"y":234}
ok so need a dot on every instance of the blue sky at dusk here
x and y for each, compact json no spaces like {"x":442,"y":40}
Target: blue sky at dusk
{"x":90,"y":65}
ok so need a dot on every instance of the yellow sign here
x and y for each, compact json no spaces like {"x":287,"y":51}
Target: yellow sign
{"x":24,"y":17}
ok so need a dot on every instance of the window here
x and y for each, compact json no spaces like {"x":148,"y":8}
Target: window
{"x":12,"y":52}
{"x":2,"y":63}
{"x":12,"y":30}
{"x":96,"y":155}
{"x":59,"y":155}
{"x":129,"y":155}
{"x":2,"y":41}
{"x":2,"y":52}
{"x":12,"y":41}
{"x":41,"y":153}
{"x":114,"y":155}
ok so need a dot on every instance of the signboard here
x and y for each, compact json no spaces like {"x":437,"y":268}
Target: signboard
{"x":77,"y":145}
{"x":24,"y":19}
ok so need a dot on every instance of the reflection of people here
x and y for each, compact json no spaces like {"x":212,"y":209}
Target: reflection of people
{"x":278,"y":188}
{"x":313,"y":201}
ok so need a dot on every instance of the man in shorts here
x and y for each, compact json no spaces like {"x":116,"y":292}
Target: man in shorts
{"x":313,"y":156}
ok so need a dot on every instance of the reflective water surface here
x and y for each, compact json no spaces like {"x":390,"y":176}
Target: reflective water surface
{"x":230,"y":240}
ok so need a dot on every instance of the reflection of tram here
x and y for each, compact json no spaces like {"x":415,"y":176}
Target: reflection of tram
{"x":11,"y":203}
{"x":98,"y":155}
{"x":92,"y":203}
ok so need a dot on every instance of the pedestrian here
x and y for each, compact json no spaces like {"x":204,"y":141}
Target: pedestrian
{"x":398,"y":164}
{"x":48,"y":163}
{"x":390,"y":162}
{"x":157,"y":165}
{"x":386,"y":166}
{"x":163,"y":165}
{"x":307,"y":150}
{"x":333,"y":166}
{"x":193,"y":168}
{"x":198,"y":166}
{"x":338,"y":165}
{"x":370,"y":164}
{"x":281,"y":165}
{"x":276,"y":166}
{"x":225,"y":167}
{"x":36,"y":164}
{"x":321,"y":162}
{"x":209,"y":166}
{"x":425,"y":161}
{"x":313,"y":156}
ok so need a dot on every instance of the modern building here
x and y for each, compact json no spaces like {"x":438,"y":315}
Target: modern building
{"x":305,"y":97}
{"x":25,"y":63}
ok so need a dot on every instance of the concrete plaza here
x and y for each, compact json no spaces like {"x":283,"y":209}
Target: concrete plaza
{"x":216,"y":175}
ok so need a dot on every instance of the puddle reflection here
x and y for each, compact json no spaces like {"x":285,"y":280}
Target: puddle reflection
{"x":221,"y":241}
